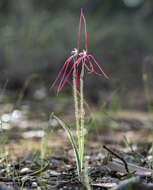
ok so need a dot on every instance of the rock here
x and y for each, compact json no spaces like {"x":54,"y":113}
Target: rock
{"x":134,"y":183}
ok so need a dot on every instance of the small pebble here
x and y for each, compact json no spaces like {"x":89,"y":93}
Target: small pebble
{"x":2,"y":171}
{"x":16,"y":116}
{"x":34,"y":184}
{"x":25,"y":170}
{"x":5,"y":117}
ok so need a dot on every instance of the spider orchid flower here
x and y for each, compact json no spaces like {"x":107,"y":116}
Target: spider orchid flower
{"x":87,"y":59}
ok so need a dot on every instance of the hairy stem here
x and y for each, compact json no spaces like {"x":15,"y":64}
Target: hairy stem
{"x":82,"y":112}
{"x":76,"y":108}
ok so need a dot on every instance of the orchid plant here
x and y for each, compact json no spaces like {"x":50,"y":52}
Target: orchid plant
{"x":88,"y":62}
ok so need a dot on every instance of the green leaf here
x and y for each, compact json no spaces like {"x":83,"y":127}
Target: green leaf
{"x":66,"y":128}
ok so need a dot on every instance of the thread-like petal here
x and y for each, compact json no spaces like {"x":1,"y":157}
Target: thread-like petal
{"x":85,"y":30}
{"x":99,"y":66}
{"x":66,"y":62}
{"x":79,"y":30}
{"x":63,"y":76}
{"x":93,"y":70}
{"x":66,"y":78}
{"x":90,"y":63}
{"x":89,"y":70}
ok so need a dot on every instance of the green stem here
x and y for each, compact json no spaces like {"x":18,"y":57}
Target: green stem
{"x":82,"y":112}
{"x":76,"y":108}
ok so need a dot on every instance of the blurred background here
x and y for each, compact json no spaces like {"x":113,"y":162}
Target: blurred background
{"x":37,"y":36}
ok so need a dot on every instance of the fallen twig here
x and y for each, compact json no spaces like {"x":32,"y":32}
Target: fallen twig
{"x":118,"y":156}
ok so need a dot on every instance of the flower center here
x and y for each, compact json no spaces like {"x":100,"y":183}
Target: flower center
{"x":84,"y":52}
{"x":74,"y":52}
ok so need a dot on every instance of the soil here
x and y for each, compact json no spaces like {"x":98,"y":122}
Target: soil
{"x":36,"y":153}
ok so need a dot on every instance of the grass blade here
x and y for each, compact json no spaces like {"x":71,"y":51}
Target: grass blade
{"x":66,"y":128}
